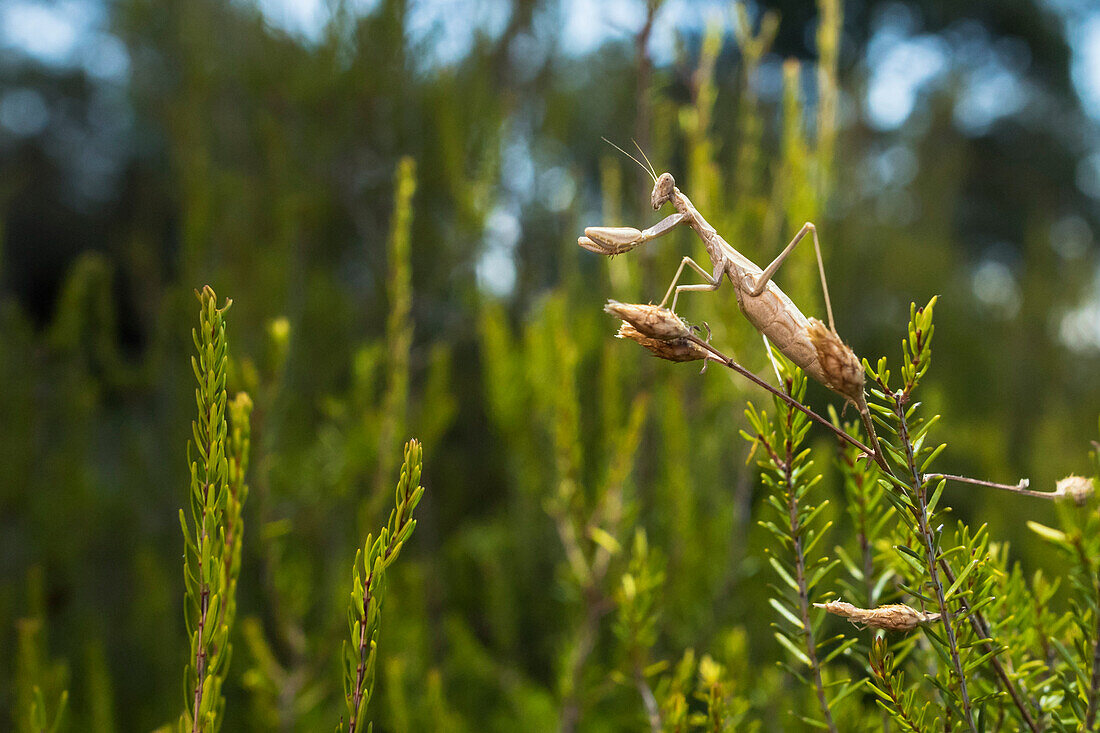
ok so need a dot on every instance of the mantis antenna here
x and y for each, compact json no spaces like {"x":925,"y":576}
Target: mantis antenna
{"x":652,"y":171}
{"x":652,"y":174}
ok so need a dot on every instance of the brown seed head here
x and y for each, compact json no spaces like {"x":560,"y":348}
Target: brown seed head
{"x":650,"y":320}
{"x":680,"y":349}
{"x":894,"y":617}
{"x":843,"y":372}
{"x":1078,"y":488}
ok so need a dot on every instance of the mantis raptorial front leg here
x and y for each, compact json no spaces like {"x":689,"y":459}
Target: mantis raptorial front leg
{"x":616,"y":240}
{"x":769,"y":271}
{"x":712,"y":280}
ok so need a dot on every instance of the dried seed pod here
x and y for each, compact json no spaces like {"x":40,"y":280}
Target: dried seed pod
{"x":893,"y":617}
{"x":650,"y":320}
{"x":843,"y":372}
{"x":1078,"y":488}
{"x":679,"y":349}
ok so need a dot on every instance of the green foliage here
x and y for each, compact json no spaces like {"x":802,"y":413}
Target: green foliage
{"x":374,"y":299}
{"x":712,"y":687}
{"x":915,"y":498}
{"x":895,"y":696}
{"x":238,"y":450}
{"x":871,"y":517}
{"x":303,"y":482}
{"x":1072,"y":694}
{"x":218,"y":461}
{"x":636,"y":623}
{"x":41,"y":686}
{"x":969,"y":674}
{"x":797,"y":528}
{"x":538,"y":381}
{"x":368,"y":589}
{"x":979,"y":669}
{"x":399,"y":327}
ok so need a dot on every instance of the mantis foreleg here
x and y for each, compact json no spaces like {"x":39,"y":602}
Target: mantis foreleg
{"x":616,"y":240}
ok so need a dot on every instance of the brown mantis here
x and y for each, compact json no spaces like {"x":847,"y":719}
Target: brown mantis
{"x":818,"y":350}
{"x":807,"y":342}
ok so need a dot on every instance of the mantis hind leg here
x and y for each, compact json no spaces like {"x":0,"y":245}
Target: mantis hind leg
{"x":764,"y":277}
{"x":713,"y":280}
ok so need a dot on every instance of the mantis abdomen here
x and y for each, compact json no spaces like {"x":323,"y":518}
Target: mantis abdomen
{"x":807,"y":342}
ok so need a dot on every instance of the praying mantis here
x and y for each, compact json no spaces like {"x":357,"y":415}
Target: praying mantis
{"x":817,"y":350}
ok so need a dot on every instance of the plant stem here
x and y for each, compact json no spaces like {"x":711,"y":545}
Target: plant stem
{"x":1094,"y":684}
{"x":800,"y":576}
{"x":400,"y":519}
{"x":920,"y":513}
{"x":896,"y":698}
{"x":589,"y":577}
{"x":200,"y":655}
{"x":361,"y":670}
{"x":726,"y":361}
{"x":1018,"y":488}
{"x":981,"y":628}
{"x":869,"y":426}
{"x":586,"y":641}
{"x":860,"y":518}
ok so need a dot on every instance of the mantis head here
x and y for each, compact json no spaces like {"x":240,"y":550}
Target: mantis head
{"x":662,"y":190}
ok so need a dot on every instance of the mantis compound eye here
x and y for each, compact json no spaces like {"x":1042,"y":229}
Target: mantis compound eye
{"x":662,"y":190}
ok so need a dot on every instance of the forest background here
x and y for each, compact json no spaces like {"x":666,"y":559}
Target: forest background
{"x":391,"y":192}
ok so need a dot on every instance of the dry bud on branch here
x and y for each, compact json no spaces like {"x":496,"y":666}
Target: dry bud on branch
{"x":679,"y":349}
{"x":650,"y":320}
{"x":1078,"y":488}
{"x":894,"y":617}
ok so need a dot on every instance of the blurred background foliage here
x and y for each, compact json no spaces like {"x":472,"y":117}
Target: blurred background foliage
{"x":390,"y":192}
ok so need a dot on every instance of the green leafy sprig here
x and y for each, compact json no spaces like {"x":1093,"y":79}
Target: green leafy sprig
{"x":798,"y":528}
{"x":962,"y":638}
{"x":213,"y":536}
{"x":369,"y":589}
{"x":1075,"y":702}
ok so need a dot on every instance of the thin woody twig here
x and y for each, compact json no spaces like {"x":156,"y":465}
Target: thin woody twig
{"x":718,"y":356}
{"x":981,"y":628}
{"x":1017,"y":488}
{"x":796,"y":528}
{"x":1006,"y":682}
{"x":919,"y":508}
{"x":726,"y":361}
